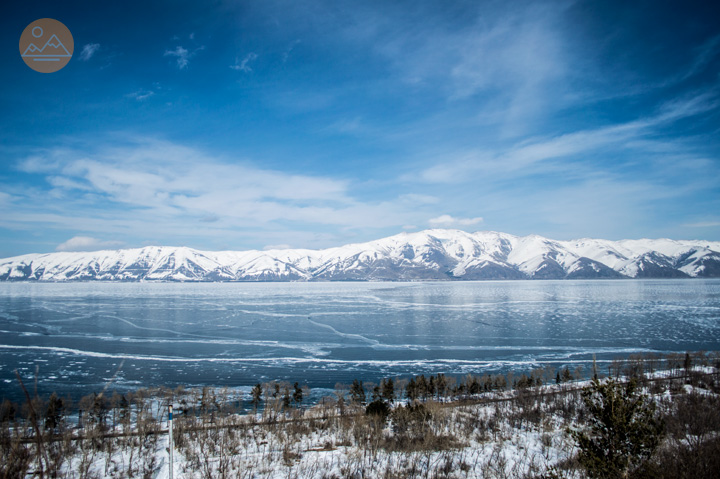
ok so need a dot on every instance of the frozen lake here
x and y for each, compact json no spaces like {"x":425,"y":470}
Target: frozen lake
{"x":236,"y":334}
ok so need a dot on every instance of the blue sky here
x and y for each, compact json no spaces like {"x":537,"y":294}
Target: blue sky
{"x":252,"y":124}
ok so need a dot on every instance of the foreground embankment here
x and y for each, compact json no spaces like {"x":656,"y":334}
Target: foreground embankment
{"x":529,"y":425}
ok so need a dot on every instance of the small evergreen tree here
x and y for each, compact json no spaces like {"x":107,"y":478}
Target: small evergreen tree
{"x":256,"y":394}
{"x":376,"y":394}
{"x":441,"y":385}
{"x":124,"y":406}
{"x":54,"y":413}
{"x":388,"y":390}
{"x":474,"y":386}
{"x":411,"y":390}
{"x":422,"y":386}
{"x":500,"y":383}
{"x":624,"y":430}
{"x":297,"y":394}
{"x":286,"y":398}
{"x":7,"y":411}
{"x":357,"y":392}
{"x":100,"y":409}
{"x":378,"y":408}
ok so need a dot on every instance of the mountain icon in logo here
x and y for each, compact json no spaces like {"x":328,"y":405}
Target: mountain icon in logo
{"x":53,"y":50}
{"x":46,"y":45}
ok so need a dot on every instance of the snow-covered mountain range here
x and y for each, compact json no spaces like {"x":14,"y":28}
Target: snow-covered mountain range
{"x":426,"y":255}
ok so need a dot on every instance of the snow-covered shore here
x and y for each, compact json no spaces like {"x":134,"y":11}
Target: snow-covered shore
{"x":510,"y":433}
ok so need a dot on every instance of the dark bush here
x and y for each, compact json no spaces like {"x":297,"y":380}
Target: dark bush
{"x":378,"y":408}
{"x":682,"y":461}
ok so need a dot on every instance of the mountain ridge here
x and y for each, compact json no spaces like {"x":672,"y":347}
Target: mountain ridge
{"x":436,"y":254}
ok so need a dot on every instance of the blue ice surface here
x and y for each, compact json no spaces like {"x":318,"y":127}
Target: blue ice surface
{"x":76,"y":337}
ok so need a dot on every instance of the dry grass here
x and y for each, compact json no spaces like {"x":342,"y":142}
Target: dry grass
{"x":518,"y":435}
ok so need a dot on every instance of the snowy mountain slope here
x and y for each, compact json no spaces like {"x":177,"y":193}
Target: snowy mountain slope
{"x":427,"y":255}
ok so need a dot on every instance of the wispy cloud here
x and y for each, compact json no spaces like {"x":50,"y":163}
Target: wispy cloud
{"x":699,"y":60}
{"x":149,"y":185}
{"x":87,"y":243}
{"x":511,"y":65}
{"x":182,"y":55}
{"x":88,"y":51}
{"x":447,"y":221}
{"x":141,"y":94}
{"x":525,"y":156}
{"x":244,"y":64}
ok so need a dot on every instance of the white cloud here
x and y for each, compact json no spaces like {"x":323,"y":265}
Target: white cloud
{"x":88,"y":51}
{"x":182,"y":55}
{"x":65,"y":183}
{"x":144,"y":187}
{"x":140,"y":94}
{"x":86,"y":243}
{"x":276,"y":246}
{"x":244,"y":65}
{"x":447,"y":221}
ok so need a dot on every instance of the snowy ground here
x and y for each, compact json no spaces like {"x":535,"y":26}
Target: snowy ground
{"x":520,"y":433}
{"x":468,"y":442}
